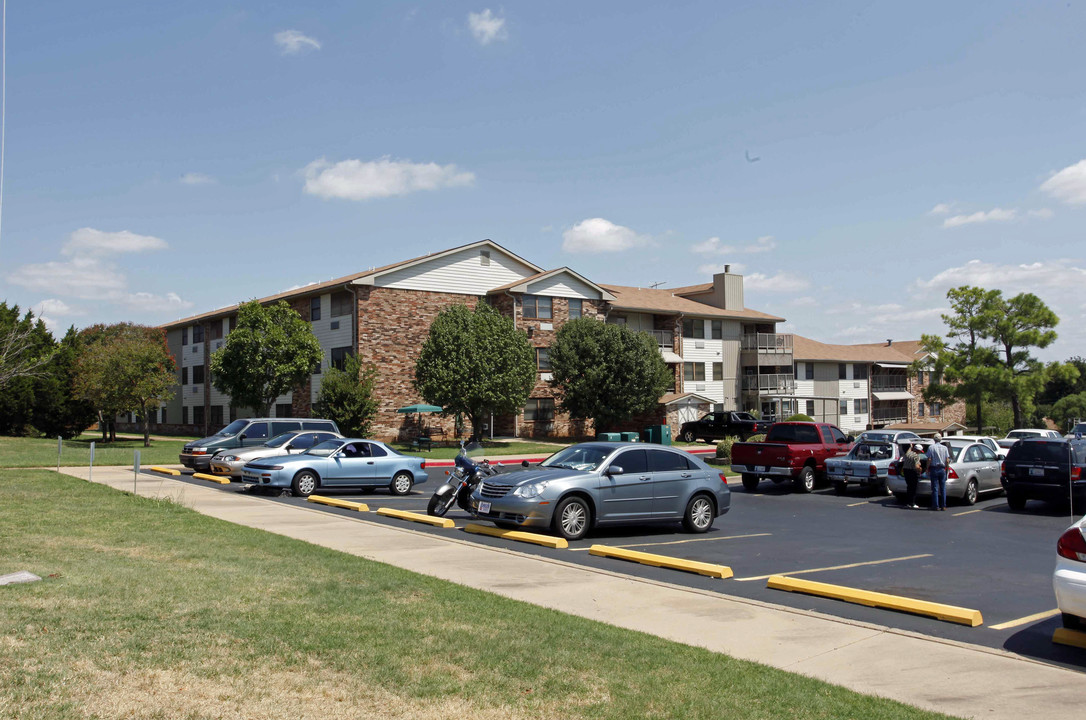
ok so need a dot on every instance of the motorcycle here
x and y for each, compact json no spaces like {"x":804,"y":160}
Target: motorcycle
{"x":467,"y":473}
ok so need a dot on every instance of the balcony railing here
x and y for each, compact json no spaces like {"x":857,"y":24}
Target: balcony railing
{"x":767,"y":342}
{"x":664,"y":338}
{"x":779,"y":383}
{"x":887,"y":383}
{"x":889,"y":414}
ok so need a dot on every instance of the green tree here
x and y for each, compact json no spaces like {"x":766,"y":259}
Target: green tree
{"x":475,"y":363}
{"x":1021,"y":323}
{"x":346,"y":397}
{"x":57,"y":408}
{"x":1068,"y":409}
{"x":26,"y":348}
{"x":126,"y":368}
{"x":271,"y":351}
{"x":607,"y":372}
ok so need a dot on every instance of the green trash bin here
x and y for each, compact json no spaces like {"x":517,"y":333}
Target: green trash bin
{"x":665,"y":434}
{"x":609,"y":437}
{"x":629,"y":437}
{"x":651,"y":434}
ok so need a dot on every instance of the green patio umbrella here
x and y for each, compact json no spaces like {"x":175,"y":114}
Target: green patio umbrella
{"x":419,"y":408}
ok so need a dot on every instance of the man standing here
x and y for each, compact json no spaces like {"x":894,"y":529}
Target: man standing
{"x":910,"y":468}
{"x":938,"y":461}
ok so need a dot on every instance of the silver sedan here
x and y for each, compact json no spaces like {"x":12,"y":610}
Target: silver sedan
{"x":230,"y":462}
{"x":974,"y":469}
{"x":600,"y":483}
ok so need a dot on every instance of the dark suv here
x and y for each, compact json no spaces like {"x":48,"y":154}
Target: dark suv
{"x":1045,"y":469}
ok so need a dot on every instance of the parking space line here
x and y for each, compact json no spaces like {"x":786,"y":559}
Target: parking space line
{"x":836,"y":567}
{"x":865,"y":502}
{"x":679,"y":542}
{"x":967,"y":512}
{"x":1025,"y":620}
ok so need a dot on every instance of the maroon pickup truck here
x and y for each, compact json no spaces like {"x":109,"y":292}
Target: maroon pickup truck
{"x":795,"y":451}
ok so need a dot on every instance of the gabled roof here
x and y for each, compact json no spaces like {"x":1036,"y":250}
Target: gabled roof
{"x":669,"y":398}
{"x":807,"y":349}
{"x":521,"y":286}
{"x":668,"y":303}
{"x":368,"y":278}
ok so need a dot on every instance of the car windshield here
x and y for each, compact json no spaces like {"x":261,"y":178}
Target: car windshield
{"x":280,"y":440}
{"x":233,"y":428}
{"x":872,"y":451}
{"x":325,"y":448}
{"x":579,"y":457}
{"x":1022,"y":433}
{"x":880,"y":437}
{"x":1080,"y":428}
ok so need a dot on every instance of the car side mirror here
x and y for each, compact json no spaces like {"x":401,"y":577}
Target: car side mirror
{"x":616,"y":470}
{"x":242,"y":437}
{"x":339,"y":454}
{"x":850,"y":439}
{"x":289,"y":447}
{"x":525,"y":463}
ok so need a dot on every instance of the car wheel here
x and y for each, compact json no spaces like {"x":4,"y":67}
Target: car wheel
{"x":698,"y":517}
{"x":886,"y":488}
{"x":304,"y":483}
{"x":750,"y":482}
{"x":1016,"y":501}
{"x":806,"y":481}
{"x":688,"y":436}
{"x":401,"y":483}
{"x":970,"y":497}
{"x":571,"y":518}
{"x":840,"y":487}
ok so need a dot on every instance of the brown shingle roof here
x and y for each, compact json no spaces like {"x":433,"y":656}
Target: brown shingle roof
{"x":666,"y":302}
{"x":808,"y":349}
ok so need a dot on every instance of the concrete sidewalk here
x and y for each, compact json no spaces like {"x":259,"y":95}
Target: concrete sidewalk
{"x":954,"y":678}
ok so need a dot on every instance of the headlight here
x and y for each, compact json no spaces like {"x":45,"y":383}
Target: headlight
{"x":229,"y":458}
{"x":531,"y":490}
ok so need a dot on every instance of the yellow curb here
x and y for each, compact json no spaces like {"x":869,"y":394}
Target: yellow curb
{"x":672,"y":563}
{"x":545,"y":540}
{"x":950,"y":613}
{"x":168,"y":471}
{"x":416,"y":517}
{"x":336,"y":502}
{"x":1065,"y":636}
{"x":212,"y":478}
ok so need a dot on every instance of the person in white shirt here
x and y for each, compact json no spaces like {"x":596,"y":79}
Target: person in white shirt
{"x":938,"y":463}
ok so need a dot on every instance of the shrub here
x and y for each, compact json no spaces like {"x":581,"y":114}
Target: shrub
{"x":724,"y":448}
{"x":800,"y":417}
{"x":760,"y":437}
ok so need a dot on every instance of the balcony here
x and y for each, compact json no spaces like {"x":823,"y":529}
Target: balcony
{"x":889,"y":383}
{"x":776,"y":383}
{"x":887,"y":415}
{"x":765,"y":349}
{"x":664,"y":338}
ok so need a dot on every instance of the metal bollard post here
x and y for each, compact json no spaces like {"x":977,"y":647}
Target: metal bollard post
{"x":90,"y":472}
{"x":60,"y":447}
{"x":135,"y":471}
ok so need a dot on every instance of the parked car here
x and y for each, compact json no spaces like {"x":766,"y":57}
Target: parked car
{"x":868,"y":462}
{"x":1045,"y":469}
{"x":249,"y":432}
{"x":338,"y":463}
{"x":990,"y":442}
{"x":719,"y":425}
{"x":1077,"y":432}
{"x":891,"y":436}
{"x":1015,"y":435}
{"x":605,"y":483}
{"x":1069,"y":578}
{"x":792,"y":451}
{"x":230,"y":462}
{"x":974,"y":469}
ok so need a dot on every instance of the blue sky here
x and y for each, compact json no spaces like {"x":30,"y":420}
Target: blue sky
{"x":165,"y":159}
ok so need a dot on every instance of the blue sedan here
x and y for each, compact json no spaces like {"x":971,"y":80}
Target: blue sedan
{"x":338,"y":463}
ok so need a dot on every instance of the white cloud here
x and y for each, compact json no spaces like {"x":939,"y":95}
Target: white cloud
{"x":358,"y":180}
{"x":486,"y":27}
{"x":784,"y":281}
{"x":88,"y":241}
{"x":145,"y":301}
{"x":596,"y":235}
{"x":1069,"y":184}
{"x":193,"y":178}
{"x":712,"y":246}
{"x":1042,"y":214}
{"x":53,"y":306}
{"x":86,"y":278}
{"x":941,"y":209}
{"x":993,"y":215}
{"x":293,"y":42}
{"x":1011,"y":279}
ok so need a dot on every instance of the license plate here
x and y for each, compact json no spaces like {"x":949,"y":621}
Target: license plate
{"x":764,"y":468}
{"x":484,"y":507}
{"x":1037,"y":472}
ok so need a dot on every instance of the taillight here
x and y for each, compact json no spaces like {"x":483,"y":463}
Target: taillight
{"x":872,"y":470}
{"x":1003,"y":468}
{"x":892,"y":470}
{"x":1072,"y":545}
{"x":951,"y":475}
{"x":423,"y":465}
{"x":1076,"y":473}
{"x":723,"y":478}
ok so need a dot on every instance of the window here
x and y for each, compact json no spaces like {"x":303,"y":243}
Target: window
{"x":184,"y":416}
{"x":233,"y":323}
{"x":198,"y":415}
{"x":920,"y":376}
{"x":859,"y":371}
{"x":278,"y":428}
{"x":324,"y":425}
{"x":576,"y":309}
{"x":163,"y":420}
{"x":810,"y":408}
{"x":842,"y":371}
{"x":542,"y":360}
{"x":936,"y":409}
{"x":282,"y":410}
{"x":214,"y":330}
{"x":536,"y":306}
{"x":184,"y":336}
{"x":717,"y":329}
{"x":808,"y":371}
{"x":315,"y":309}
{"x":341,"y":303}
{"x":303,"y":441}
{"x":843,"y":409}
{"x":920,"y":409}
{"x":184,"y":376}
{"x":632,"y":462}
{"x":539,"y":410}
{"x":216,"y":416}
{"x":694,"y":372}
{"x":197,"y":334}
{"x":257,"y":431}
{"x":666,"y":461}
{"x":837,"y":435}
{"x":718,"y":371}
{"x":694,"y":328}
{"x":861,"y":406}
{"x":197,"y":374}
{"x":339,"y":356}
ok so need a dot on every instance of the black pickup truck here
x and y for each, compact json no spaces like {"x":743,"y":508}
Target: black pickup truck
{"x":719,"y":425}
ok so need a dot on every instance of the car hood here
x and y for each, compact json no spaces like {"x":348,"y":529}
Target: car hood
{"x":254,"y":452}
{"x":525,"y":477}
{"x":286,"y":459}
{"x":204,"y":442}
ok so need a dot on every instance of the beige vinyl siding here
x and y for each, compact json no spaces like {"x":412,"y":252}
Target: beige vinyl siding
{"x":219,"y":398}
{"x":563,"y":285}
{"x":329,"y":338}
{"x":173,"y":407}
{"x":461,"y":273}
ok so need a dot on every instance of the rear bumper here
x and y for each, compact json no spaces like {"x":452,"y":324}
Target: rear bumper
{"x":196,"y":462}
{"x":1044,"y":491}
{"x":1069,"y":584}
{"x":765,"y":470}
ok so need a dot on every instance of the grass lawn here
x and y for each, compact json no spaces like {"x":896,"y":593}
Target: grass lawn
{"x":490,"y":448}
{"x":149,"y":610}
{"x":21,"y":452}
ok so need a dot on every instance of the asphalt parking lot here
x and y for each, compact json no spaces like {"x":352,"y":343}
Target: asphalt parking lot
{"x":982,"y":557}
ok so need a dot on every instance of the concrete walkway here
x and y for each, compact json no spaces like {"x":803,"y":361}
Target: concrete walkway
{"x":954,"y":678}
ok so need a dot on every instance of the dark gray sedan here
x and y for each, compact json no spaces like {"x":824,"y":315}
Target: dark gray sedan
{"x":600,"y":483}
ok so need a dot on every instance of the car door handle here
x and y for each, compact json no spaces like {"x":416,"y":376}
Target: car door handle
{"x":369,"y":462}
{"x":685,"y":475}
{"x":645,"y":477}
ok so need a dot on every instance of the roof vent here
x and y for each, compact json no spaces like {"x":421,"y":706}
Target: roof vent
{"x":889,"y":342}
{"x":484,"y":257}
{"x":727,"y":268}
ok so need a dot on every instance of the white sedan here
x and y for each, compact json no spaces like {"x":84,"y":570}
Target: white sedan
{"x":1069,"y":580}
